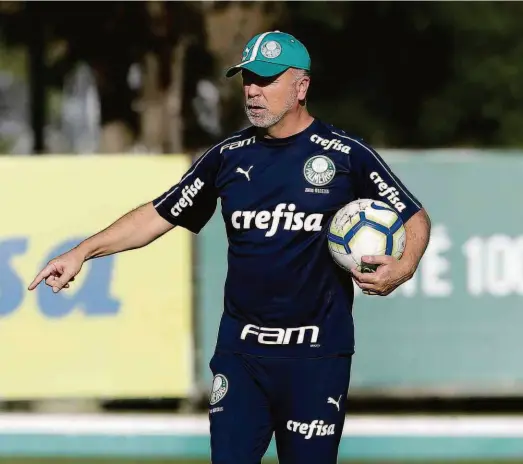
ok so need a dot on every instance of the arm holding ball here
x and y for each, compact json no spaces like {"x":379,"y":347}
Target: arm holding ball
{"x":391,"y":273}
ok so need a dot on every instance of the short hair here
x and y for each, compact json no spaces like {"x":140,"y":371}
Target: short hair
{"x":299,"y":73}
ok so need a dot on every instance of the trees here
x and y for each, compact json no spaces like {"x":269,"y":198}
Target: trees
{"x":168,"y":47}
{"x":421,"y":74}
{"x":398,"y":74}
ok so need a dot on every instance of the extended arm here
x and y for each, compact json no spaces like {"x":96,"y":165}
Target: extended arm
{"x":135,"y":229}
{"x":189,"y":204}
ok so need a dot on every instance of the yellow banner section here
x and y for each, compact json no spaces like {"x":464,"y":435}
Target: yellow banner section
{"x":124,"y":328}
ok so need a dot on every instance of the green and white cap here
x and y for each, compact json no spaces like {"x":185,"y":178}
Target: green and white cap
{"x":271,"y":53}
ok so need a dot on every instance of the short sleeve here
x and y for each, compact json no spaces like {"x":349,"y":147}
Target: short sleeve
{"x":192,"y":201}
{"x":374,"y":179}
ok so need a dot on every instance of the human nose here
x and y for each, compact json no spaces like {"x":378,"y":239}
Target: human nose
{"x":253,"y":90}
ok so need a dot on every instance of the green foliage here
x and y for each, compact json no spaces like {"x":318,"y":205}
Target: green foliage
{"x":173,"y":461}
{"x":399,"y":74}
{"x":417,"y":74}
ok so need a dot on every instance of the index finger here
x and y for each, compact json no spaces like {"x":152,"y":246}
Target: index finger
{"x":44,"y":273}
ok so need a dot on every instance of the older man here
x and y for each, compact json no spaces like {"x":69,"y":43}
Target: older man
{"x":286,"y":339}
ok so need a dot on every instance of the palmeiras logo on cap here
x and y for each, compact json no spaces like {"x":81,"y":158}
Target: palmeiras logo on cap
{"x":271,"y":49}
{"x":319,"y":170}
{"x":220,"y":385}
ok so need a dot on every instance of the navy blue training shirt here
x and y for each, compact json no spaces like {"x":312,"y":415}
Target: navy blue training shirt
{"x":284,"y":295}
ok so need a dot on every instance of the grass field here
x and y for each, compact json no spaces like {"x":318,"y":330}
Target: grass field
{"x":175,"y":440}
{"x":140,"y":461}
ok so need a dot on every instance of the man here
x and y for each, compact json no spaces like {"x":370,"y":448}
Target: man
{"x":285,"y":343}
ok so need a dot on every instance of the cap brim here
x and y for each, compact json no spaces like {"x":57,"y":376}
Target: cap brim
{"x":261,"y":68}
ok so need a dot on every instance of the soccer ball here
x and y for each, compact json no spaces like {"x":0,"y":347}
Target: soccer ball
{"x":364,"y":228}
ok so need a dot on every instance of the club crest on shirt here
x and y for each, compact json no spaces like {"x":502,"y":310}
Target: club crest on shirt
{"x":319,"y":170}
{"x":220,"y":385}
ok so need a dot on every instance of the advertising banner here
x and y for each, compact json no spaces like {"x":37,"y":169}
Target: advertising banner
{"x":455,"y":328}
{"x":124,"y":328}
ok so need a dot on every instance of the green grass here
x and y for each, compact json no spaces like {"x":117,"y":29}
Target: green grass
{"x":155,"y":461}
